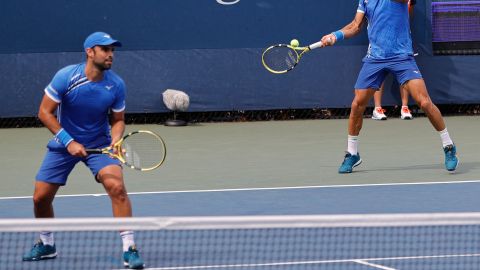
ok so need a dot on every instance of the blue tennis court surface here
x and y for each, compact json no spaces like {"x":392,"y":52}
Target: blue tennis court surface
{"x":349,"y":199}
{"x":185,"y":252}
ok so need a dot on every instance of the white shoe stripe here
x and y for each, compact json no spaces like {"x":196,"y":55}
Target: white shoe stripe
{"x":53,"y":255}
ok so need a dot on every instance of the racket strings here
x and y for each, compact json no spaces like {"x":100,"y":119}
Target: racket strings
{"x":143,"y":151}
{"x":280,"y":58}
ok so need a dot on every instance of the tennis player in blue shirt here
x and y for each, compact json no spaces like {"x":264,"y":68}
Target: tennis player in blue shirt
{"x":389,"y":51}
{"x":83,"y":107}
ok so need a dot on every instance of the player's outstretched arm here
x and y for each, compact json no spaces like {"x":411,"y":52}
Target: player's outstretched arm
{"x":348,"y":31}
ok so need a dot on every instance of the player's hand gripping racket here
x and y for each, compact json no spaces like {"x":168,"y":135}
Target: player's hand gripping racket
{"x":282,"y":58}
{"x":141,"y":150}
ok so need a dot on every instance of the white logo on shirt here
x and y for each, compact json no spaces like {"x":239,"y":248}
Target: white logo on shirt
{"x":109,"y":87}
{"x":416,"y":71}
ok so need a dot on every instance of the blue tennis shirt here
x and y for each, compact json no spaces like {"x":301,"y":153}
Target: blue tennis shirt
{"x":84,"y":105}
{"x":388,"y":29}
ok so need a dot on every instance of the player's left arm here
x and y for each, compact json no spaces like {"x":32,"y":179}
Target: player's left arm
{"x":117,"y":123}
{"x":117,"y":118}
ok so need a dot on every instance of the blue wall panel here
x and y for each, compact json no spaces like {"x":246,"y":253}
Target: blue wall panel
{"x":62,"y":25}
{"x":209,"y":50}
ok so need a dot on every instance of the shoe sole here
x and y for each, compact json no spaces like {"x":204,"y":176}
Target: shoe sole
{"x":45,"y":257}
{"x":379,"y":119}
{"x":406,"y":118}
{"x":358,"y":163}
{"x":128,"y":266}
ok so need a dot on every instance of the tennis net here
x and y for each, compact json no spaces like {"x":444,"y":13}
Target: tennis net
{"x":360,"y":242}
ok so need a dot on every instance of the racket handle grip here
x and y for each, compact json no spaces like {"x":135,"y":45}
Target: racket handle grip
{"x":93,"y":151}
{"x":315,"y":45}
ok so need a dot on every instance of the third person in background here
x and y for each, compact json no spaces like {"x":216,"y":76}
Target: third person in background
{"x":379,"y":113}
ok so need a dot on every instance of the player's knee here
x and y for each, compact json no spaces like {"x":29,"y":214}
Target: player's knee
{"x":355,"y":105}
{"x":118,"y":192}
{"x":41,"y":200}
{"x":425,"y":104}
{"x":358,"y":106}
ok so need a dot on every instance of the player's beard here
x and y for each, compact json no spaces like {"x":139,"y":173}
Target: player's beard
{"x":103,"y":65}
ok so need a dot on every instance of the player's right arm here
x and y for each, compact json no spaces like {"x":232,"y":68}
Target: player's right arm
{"x":46,"y":114}
{"x":348,"y":31}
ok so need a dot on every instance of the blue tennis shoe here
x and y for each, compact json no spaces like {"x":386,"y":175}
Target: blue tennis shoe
{"x":349,"y":163}
{"x":132,"y":260}
{"x":451,"y":160}
{"x":40,"y":252}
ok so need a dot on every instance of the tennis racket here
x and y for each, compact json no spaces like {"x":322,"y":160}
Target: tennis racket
{"x":282,"y":58}
{"x":140,"y":150}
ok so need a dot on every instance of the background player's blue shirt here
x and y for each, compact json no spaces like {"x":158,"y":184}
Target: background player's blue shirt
{"x":84,"y":105}
{"x":388,"y":29}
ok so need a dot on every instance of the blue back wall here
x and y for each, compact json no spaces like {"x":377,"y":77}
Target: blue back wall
{"x":209,"y":50}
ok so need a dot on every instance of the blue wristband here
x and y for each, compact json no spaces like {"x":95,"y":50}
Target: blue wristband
{"x":63,"y":137}
{"x":339,"y":35}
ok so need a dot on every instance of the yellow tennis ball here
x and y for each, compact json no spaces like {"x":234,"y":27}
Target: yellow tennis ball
{"x":294,"y":43}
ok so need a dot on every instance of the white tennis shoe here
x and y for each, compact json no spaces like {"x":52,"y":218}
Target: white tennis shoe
{"x":405,"y":113}
{"x":379,"y":114}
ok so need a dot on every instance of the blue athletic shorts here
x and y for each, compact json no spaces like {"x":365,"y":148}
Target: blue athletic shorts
{"x":57,"y":165}
{"x":373,"y":72}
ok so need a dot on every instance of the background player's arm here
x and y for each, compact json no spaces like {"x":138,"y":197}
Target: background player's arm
{"x":46,"y":114}
{"x":117,"y":123}
{"x":349,"y":30}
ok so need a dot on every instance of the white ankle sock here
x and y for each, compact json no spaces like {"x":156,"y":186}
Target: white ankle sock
{"x":47,"y":238}
{"x":127,"y":239}
{"x":352,"y":144}
{"x":446,"y":140}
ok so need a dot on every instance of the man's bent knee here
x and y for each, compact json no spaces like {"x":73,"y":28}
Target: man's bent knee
{"x":111,"y":178}
{"x":44,"y":193}
{"x":41,"y":200}
{"x":118,"y":191}
{"x":426,"y":104}
{"x":357,"y":107}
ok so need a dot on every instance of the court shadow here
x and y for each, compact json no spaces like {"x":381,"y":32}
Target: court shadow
{"x":463,"y":168}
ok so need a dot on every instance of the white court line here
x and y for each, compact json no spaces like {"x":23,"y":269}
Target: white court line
{"x":255,"y":189}
{"x":316,"y":262}
{"x":374,"y":265}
